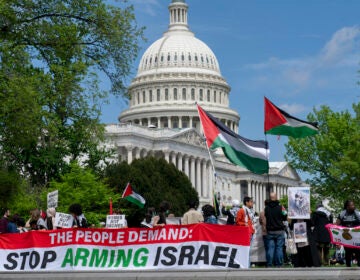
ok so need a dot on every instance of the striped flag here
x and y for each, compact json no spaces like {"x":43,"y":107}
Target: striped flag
{"x":252,"y":155}
{"x":133,"y":197}
{"x":278,"y":122}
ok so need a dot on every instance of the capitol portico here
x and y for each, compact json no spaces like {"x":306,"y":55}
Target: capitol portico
{"x":162,"y":121}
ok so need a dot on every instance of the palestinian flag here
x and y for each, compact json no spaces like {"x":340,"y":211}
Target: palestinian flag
{"x":133,"y":197}
{"x":252,"y":155}
{"x":278,"y":122}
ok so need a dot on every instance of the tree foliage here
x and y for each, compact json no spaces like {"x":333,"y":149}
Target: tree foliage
{"x":50,"y":52}
{"x":332,"y":158}
{"x":82,"y":186}
{"x":156,"y":180}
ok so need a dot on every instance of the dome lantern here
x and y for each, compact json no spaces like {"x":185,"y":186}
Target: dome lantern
{"x":178,"y":15}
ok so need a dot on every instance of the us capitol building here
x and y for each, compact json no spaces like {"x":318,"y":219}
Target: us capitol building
{"x":162,"y":120}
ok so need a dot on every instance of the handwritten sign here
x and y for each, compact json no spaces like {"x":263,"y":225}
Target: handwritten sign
{"x":63,"y":220}
{"x":52,"y":199}
{"x":116,"y":221}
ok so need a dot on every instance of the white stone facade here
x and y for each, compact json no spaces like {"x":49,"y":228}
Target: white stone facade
{"x":162,"y":120}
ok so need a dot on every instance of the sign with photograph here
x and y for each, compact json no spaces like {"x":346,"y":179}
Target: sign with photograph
{"x":300,"y":233}
{"x":299,"y":203}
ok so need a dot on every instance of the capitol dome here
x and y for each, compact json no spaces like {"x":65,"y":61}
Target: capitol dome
{"x":178,"y":49}
{"x":174,"y":72}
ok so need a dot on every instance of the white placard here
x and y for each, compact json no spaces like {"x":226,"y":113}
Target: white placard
{"x":52,"y":199}
{"x":63,"y":220}
{"x":116,"y":221}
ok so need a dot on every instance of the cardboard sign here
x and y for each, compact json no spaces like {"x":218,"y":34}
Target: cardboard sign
{"x":63,"y":220}
{"x":52,"y":199}
{"x":116,"y":221}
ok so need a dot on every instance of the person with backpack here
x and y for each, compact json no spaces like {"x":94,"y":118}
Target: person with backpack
{"x":350,"y":217}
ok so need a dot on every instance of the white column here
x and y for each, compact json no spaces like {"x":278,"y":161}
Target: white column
{"x":173,"y":159}
{"x":192,"y":173}
{"x":248,"y":189}
{"x":169,"y":122}
{"x":167,"y":156}
{"x":180,"y":122}
{"x":186,"y":167}
{"x":137,"y":154}
{"x":198,"y":176}
{"x":191,"y":122}
{"x":210,"y":180}
{"x":180,"y":162}
{"x":158,"y":123}
{"x":204,"y":179}
{"x":129,"y":154}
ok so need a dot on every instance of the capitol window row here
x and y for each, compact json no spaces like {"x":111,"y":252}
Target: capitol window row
{"x":183,"y":58}
{"x":213,"y":96}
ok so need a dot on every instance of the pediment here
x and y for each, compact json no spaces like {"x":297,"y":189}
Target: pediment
{"x":190,"y":136}
{"x":288,"y":172}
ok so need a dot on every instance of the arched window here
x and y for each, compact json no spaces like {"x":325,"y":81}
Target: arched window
{"x":184,"y":93}
{"x":166,"y":94}
{"x":150,"y":96}
{"x":138,"y":97}
{"x":192,"y":94}
{"x":158,"y":94}
{"x":175,"y":94}
{"x":201,"y":95}
{"x":208,"y":95}
{"x":214,"y":96}
{"x":143,"y":96}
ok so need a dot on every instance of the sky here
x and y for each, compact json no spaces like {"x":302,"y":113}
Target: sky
{"x":299,"y":54}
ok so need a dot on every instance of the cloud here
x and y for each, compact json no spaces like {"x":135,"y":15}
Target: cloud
{"x":343,"y":42}
{"x":327,"y":68}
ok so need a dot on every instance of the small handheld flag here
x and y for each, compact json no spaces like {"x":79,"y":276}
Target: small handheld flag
{"x":133,"y":197}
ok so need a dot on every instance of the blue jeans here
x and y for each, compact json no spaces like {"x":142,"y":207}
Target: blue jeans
{"x":274,"y":244}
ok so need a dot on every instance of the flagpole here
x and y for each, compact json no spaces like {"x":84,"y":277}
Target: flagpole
{"x":211,"y":160}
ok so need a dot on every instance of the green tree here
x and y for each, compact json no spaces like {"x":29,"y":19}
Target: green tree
{"x":82,"y":186}
{"x":331,"y":158}
{"x":156,"y":180}
{"x":50,"y":52}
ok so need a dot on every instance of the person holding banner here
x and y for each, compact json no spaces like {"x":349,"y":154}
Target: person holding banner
{"x":192,"y":216}
{"x":160,"y":220}
{"x":79,"y":218}
{"x":350,"y":217}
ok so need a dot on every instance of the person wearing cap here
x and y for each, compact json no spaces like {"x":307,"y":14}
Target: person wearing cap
{"x":232,"y":212}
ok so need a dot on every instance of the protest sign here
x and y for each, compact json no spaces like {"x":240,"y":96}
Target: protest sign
{"x":299,"y":203}
{"x":63,"y":220}
{"x":200,"y":246}
{"x":348,"y":237}
{"x":52,"y":199}
{"x":300,"y":232}
{"x":116,"y":221}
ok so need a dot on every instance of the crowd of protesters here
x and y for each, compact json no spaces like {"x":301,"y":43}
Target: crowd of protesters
{"x":39,"y":220}
{"x":275,"y":228}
